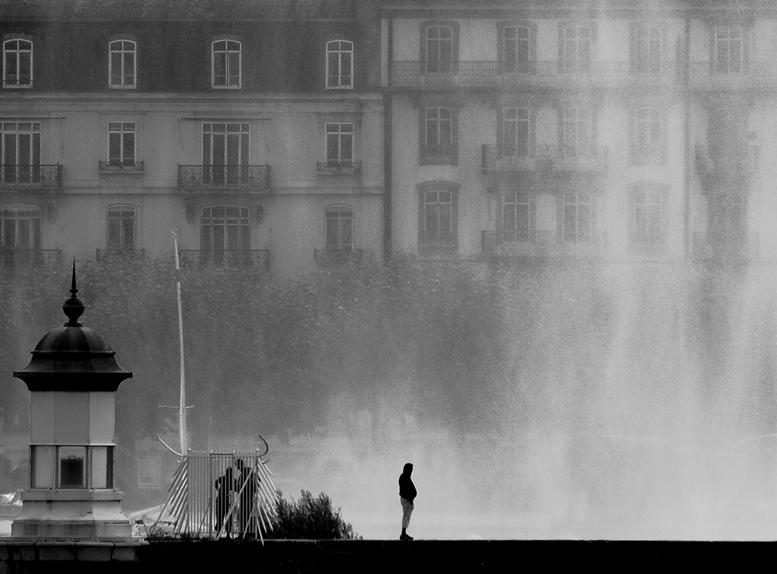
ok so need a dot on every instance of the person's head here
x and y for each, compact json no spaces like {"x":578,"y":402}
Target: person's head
{"x":407,"y":469}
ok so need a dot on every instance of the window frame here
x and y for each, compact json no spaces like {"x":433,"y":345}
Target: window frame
{"x":344,"y":213}
{"x":123,"y":162}
{"x":588,"y":148}
{"x":134,"y":52}
{"x":227,"y":64}
{"x":650,"y":150}
{"x":506,"y":67}
{"x":578,"y":64}
{"x":444,"y":241}
{"x":444,"y":155}
{"x":119,"y":212}
{"x":513,"y":235}
{"x":637,"y":63}
{"x":643,"y":241}
{"x":715,"y":47}
{"x":20,"y":252}
{"x":18,"y":85}
{"x":339,"y":84}
{"x":215,"y":171}
{"x":339,"y":162}
{"x":577,"y":237}
{"x":451,"y":64}
{"x":243,"y":237}
{"x":14,"y":175}
{"x":502,"y":130}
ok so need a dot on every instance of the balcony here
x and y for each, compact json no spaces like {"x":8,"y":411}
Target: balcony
{"x":341,"y":167}
{"x":540,"y":243}
{"x":253,"y":179}
{"x":21,"y":257}
{"x":230,"y":258}
{"x":725,"y":247}
{"x":30,"y":178}
{"x":333,"y":257}
{"x":548,"y":74}
{"x":740,"y":77}
{"x":543,"y":158}
{"x":119,"y":254}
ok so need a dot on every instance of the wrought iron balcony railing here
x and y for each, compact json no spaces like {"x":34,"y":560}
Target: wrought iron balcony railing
{"x":338,"y":256}
{"x":543,"y":157}
{"x":727,"y":159}
{"x":121,"y":166}
{"x":225,"y":178}
{"x":541,"y":74}
{"x":19,"y":257}
{"x":226,"y":257}
{"x":120,"y":254}
{"x":30,"y":177}
{"x":733,"y":76}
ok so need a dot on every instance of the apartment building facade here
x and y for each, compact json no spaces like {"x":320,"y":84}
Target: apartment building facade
{"x":608,"y":130}
{"x":253,"y":129}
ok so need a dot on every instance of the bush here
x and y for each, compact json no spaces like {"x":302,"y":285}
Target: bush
{"x":311,"y":519}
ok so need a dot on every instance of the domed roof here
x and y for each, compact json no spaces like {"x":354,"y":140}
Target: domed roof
{"x":73,"y":357}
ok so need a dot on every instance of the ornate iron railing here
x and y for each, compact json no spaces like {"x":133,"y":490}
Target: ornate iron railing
{"x":31,"y":177}
{"x":226,"y":257}
{"x":546,"y":74}
{"x":120,"y":253}
{"x":16,"y":257}
{"x":504,"y":158}
{"x":225,"y":178}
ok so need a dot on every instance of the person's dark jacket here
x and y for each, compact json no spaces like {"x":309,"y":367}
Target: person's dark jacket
{"x":406,"y":487}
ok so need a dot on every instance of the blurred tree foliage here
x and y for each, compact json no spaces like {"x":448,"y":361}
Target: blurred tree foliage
{"x":310,"y":518}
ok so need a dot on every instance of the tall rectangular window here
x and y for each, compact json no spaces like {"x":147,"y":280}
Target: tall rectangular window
{"x":515,"y":132}
{"x":516,"y":49}
{"x":577,"y":136}
{"x":339,"y":228}
{"x":17,"y":63}
{"x":438,"y":223}
{"x":648,"y":145}
{"x":647,"y":42}
{"x":438,"y":47}
{"x":517,"y":216}
{"x":122,"y":63}
{"x":19,"y":234}
{"x":121,"y":144}
{"x":339,"y":144}
{"x":339,"y":65}
{"x":226,"y":64}
{"x":121,"y":228}
{"x":648,"y":227}
{"x":576,"y":49}
{"x":225,"y":233}
{"x":21,"y":152}
{"x":577,"y":217}
{"x":225,"y":153}
{"x":729,"y":49}
{"x":438,"y":141}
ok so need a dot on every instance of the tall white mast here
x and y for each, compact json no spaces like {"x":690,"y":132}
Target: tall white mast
{"x":182,"y":430}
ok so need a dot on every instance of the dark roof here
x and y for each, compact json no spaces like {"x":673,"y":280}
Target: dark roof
{"x":178,"y":9}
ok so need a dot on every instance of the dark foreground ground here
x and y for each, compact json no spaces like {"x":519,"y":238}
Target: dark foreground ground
{"x":427,"y":556}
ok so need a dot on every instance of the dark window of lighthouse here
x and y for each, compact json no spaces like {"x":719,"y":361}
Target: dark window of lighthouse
{"x":72,"y":467}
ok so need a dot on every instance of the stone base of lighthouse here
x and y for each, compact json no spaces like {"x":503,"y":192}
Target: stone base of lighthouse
{"x":71,"y":515}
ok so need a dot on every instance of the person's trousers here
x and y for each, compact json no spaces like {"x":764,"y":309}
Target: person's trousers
{"x":407,"y":510}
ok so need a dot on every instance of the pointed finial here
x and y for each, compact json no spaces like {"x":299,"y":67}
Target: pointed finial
{"x":73,"y":307}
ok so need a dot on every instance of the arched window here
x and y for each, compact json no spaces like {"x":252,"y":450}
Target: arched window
{"x":515,"y":132}
{"x":518,"y":215}
{"x":121,"y":227}
{"x":339,"y":228}
{"x":439,"y":48}
{"x":339,"y":65}
{"x":437,"y":217}
{"x":122,"y":64}
{"x":225,"y":233}
{"x":17,"y":63}
{"x":226,"y":65}
{"x":19,"y":235}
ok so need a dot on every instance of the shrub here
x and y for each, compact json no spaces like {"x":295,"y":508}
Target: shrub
{"x":310,"y":518}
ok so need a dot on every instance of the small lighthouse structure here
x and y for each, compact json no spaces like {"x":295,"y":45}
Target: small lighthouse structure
{"x":73,"y":378}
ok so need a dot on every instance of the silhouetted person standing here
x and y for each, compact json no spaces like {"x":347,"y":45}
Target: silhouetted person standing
{"x":407,"y":494}
{"x":247,"y":489}
{"x":224,"y":486}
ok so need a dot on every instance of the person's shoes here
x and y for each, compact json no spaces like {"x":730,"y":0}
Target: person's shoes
{"x":405,"y":537}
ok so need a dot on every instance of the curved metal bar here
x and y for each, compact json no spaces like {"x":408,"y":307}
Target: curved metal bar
{"x":168,"y":447}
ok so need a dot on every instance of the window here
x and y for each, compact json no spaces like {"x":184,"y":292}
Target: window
{"x":648,"y":138}
{"x":339,"y":144}
{"x":225,"y":233}
{"x":122,"y":63}
{"x":515,"y":48}
{"x":577,"y":217}
{"x":121,"y":144}
{"x":648,"y":223}
{"x":515,"y":132}
{"x":577,"y":137}
{"x":646,"y":49}
{"x":727,"y":129}
{"x":339,"y":65}
{"x":575,"y":49}
{"x":729,"y":50}
{"x":17,"y":63}
{"x":226,"y":64}
{"x":518,"y":216}
{"x":225,"y":153}
{"x":438,"y":137}
{"x":339,"y":228}
{"x":439,"y":48}
{"x":19,"y":235}
{"x":121,"y":227}
{"x":21,"y":152}
{"x":438,"y":216}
